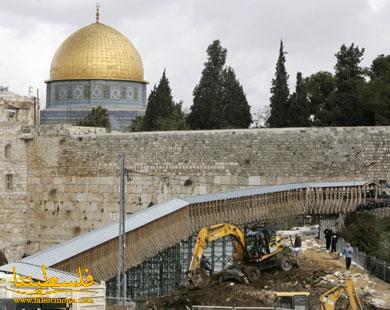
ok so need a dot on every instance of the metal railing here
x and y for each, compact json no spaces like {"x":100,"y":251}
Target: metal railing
{"x":372,"y":265}
{"x":117,"y":303}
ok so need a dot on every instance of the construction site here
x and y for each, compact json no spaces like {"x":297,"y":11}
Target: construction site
{"x":232,"y":250}
{"x":318,"y":273}
{"x":116,"y":195}
{"x":204,"y":227}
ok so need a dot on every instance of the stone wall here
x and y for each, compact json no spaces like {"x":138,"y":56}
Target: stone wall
{"x":72,"y":184}
{"x":13,"y":197}
{"x":17,"y":114}
{"x":16,"y":110}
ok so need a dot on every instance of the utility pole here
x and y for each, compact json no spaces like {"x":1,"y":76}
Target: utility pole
{"x":38,"y":121}
{"x":121,"y":280}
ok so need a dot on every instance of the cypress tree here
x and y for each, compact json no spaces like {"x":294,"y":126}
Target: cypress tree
{"x":299,"y":115}
{"x":162,"y":113}
{"x":207,"y":109}
{"x":236,"y":108}
{"x":219,"y":99}
{"x":279,"y":105}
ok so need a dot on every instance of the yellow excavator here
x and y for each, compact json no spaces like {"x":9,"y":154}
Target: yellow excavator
{"x":254,"y":249}
{"x":328,"y":300}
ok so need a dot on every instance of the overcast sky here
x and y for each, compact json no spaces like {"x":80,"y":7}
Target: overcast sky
{"x":174,"y":34}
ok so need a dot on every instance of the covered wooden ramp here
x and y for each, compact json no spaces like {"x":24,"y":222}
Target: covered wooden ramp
{"x":161,"y":226}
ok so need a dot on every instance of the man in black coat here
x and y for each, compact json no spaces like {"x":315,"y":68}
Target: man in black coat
{"x":334,"y":239}
{"x":297,"y":247}
{"x":328,"y":236}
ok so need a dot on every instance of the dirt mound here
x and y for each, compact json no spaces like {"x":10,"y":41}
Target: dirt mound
{"x":253,"y":294}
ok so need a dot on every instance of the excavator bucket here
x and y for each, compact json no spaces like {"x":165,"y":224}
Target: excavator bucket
{"x":196,"y":278}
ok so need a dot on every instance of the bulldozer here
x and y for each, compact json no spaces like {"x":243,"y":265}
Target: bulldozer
{"x":328,"y":300}
{"x":255,"y":248}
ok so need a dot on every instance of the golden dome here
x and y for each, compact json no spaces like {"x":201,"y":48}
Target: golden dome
{"x":97,"y":52}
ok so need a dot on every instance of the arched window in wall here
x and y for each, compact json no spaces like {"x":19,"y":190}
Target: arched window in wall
{"x":7,"y":151}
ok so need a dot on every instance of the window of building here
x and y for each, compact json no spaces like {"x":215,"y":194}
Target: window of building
{"x":8,"y":182}
{"x":11,"y":115}
{"x":7,"y":151}
{"x":136,"y":93}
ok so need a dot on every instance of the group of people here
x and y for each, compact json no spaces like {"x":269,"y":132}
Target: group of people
{"x":331,"y":239}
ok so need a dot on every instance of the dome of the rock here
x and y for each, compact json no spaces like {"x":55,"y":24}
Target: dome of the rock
{"x":97,"y":51}
{"x":95,"y":66}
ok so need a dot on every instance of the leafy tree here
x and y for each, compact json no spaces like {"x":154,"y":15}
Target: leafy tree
{"x":137,"y":124}
{"x":207,"y":109}
{"x":98,"y":117}
{"x":162,"y":113}
{"x":236,"y":110}
{"x":383,"y":250}
{"x":320,"y":89}
{"x":349,"y":76}
{"x":279,"y":108}
{"x":369,"y":233}
{"x":176,"y":120}
{"x":361,"y":231}
{"x":299,"y":114}
{"x":376,"y":93}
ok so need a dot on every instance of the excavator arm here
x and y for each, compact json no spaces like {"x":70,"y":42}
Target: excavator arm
{"x":328,"y":299}
{"x":214,"y":232}
{"x":253,"y":249}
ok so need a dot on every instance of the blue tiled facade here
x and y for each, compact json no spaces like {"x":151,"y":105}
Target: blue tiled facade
{"x":70,"y":101}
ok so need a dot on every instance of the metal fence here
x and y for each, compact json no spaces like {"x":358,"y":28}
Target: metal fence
{"x":165,"y":271}
{"x":372,"y":265}
{"x":117,"y":303}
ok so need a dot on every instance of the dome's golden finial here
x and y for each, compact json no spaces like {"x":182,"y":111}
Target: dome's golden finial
{"x":97,"y":12}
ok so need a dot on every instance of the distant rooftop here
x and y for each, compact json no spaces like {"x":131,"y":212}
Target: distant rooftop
{"x":15,"y":100}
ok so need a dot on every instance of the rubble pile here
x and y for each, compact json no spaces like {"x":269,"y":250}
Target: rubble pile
{"x":263,"y":296}
{"x":338,"y":277}
{"x":313,"y":245}
{"x":302,"y":231}
{"x":308,"y":235}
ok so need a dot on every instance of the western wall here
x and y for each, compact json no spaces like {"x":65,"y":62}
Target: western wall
{"x":69,"y":176}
